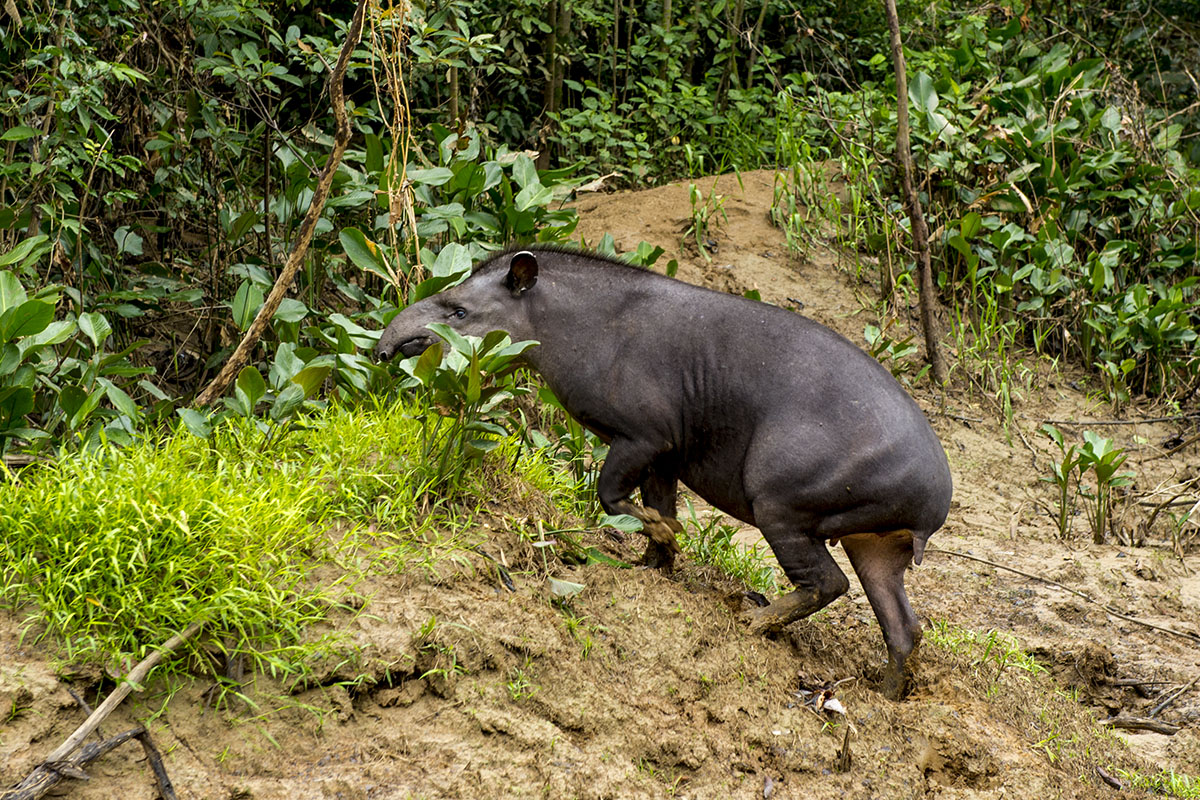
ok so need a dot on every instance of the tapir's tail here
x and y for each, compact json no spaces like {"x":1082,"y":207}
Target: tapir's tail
{"x":919,"y":539}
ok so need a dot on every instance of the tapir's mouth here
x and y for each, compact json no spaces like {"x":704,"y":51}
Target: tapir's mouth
{"x":415,"y":346}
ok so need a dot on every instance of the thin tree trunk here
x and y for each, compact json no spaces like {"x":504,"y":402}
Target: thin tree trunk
{"x":755,"y":35}
{"x":241,"y":356}
{"x":560,"y":61}
{"x":629,"y":19}
{"x":616,"y":37}
{"x":549,"y":50}
{"x":730,"y":75}
{"x":689,"y":66}
{"x":455,"y":118}
{"x":916,"y":215}
{"x":559,"y":15}
{"x":268,"y":249}
{"x":666,"y":53}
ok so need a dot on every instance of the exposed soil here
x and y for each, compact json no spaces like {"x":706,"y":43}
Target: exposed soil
{"x":646,"y":686}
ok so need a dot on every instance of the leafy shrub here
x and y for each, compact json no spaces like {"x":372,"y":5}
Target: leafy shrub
{"x":1063,"y":204}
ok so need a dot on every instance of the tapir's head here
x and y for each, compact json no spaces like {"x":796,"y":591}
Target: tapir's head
{"x":495,"y":297}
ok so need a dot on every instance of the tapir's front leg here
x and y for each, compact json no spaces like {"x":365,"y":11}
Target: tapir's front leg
{"x":660,"y":492}
{"x":629,"y":465}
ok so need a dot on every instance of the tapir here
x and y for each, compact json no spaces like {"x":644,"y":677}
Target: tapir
{"x":767,"y":415}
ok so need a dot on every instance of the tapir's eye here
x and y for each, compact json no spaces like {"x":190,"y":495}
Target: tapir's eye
{"x":458,"y":313}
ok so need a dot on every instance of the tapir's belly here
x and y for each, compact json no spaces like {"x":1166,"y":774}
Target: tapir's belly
{"x":880,"y":475}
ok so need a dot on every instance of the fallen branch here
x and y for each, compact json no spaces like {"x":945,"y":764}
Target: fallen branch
{"x":1154,"y":712}
{"x":1141,"y":724}
{"x":57,"y":763}
{"x":1103,"y":422}
{"x":241,"y":355}
{"x":1191,"y":637}
{"x":45,"y":777}
{"x":1191,"y":440}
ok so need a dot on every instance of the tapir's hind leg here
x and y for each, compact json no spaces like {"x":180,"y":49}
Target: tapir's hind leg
{"x":811,"y":569}
{"x":880,"y":561}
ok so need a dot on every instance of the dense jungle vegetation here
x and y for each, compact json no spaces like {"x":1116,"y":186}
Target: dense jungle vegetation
{"x":157,"y":159}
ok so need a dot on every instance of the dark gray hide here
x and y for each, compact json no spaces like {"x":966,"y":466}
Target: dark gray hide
{"x":769,"y":416}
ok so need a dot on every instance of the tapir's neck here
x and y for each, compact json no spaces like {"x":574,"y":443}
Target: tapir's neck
{"x":595,"y":324}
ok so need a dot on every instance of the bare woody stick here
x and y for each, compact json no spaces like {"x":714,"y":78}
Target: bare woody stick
{"x":916,"y":215}
{"x":241,"y":356}
{"x":57,"y":761}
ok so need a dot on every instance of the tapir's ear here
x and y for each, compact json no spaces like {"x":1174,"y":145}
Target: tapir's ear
{"x":522,"y":273}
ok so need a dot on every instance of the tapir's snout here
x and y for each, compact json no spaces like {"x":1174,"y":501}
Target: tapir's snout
{"x":416,"y":345}
{"x":391,"y":343}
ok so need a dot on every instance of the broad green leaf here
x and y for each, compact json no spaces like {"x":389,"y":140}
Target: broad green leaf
{"x":95,"y":327}
{"x":56,"y":332}
{"x":516,"y":349}
{"x":366,"y":254}
{"x":28,"y":319}
{"x":594,"y":556}
{"x":242,"y":226}
{"x":127,"y":241}
{"x":533,"y":196}
{"x":454,"y":259}
{"x":1111,"y":119}
{"x":10,"y":359}
{"x":971,"y":224}
{"x":435,"y":176}
{"x":246,"y":302}
{"x":20,"y":133}
{"x":922,"y":94}
{"x":11,"y":291}
{"x":524,"y":171}
{"x":195,"y":422}
{"x":250,"y":382}
{"x":18,"y":253}
{"x":474,"y":380}
{"x":291,"y":310}
{"x":428,"y":363}
{"x":120,"y":400}
{"x":287,"y":402}
{"x":453,"y":338}
{"x":622,"y":522}
{"x":374,"y":161}
{"x":310,"y":378}
{"x":15,"y":403}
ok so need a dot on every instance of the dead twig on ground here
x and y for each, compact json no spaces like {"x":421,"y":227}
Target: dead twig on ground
{"x":1191,"y":637}
{"x":45,"y":777}
{"x":1154,"y":712}
{"x":1167,"y":453}
{"x":1141,"y":724}
{"x":1086,"y":423}
{"x":57,"y":764}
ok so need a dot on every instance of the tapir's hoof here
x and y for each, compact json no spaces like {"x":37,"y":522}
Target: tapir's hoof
{"x":785,"y":610}
{"x":659,"y":557}
{"x":894,"y":685}
{"x":763,"y":621}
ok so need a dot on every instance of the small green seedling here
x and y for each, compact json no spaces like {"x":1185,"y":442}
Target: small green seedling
{"x":1061,"y":472}
{"x":1103,"y":459}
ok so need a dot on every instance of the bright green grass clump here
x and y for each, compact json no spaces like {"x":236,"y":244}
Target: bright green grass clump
{"x":119,"y":547}
{"x":111,"y":551}
{"x":1167,"y":783}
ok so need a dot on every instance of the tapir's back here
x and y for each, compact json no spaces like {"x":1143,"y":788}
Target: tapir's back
{"x":808,"y":415}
